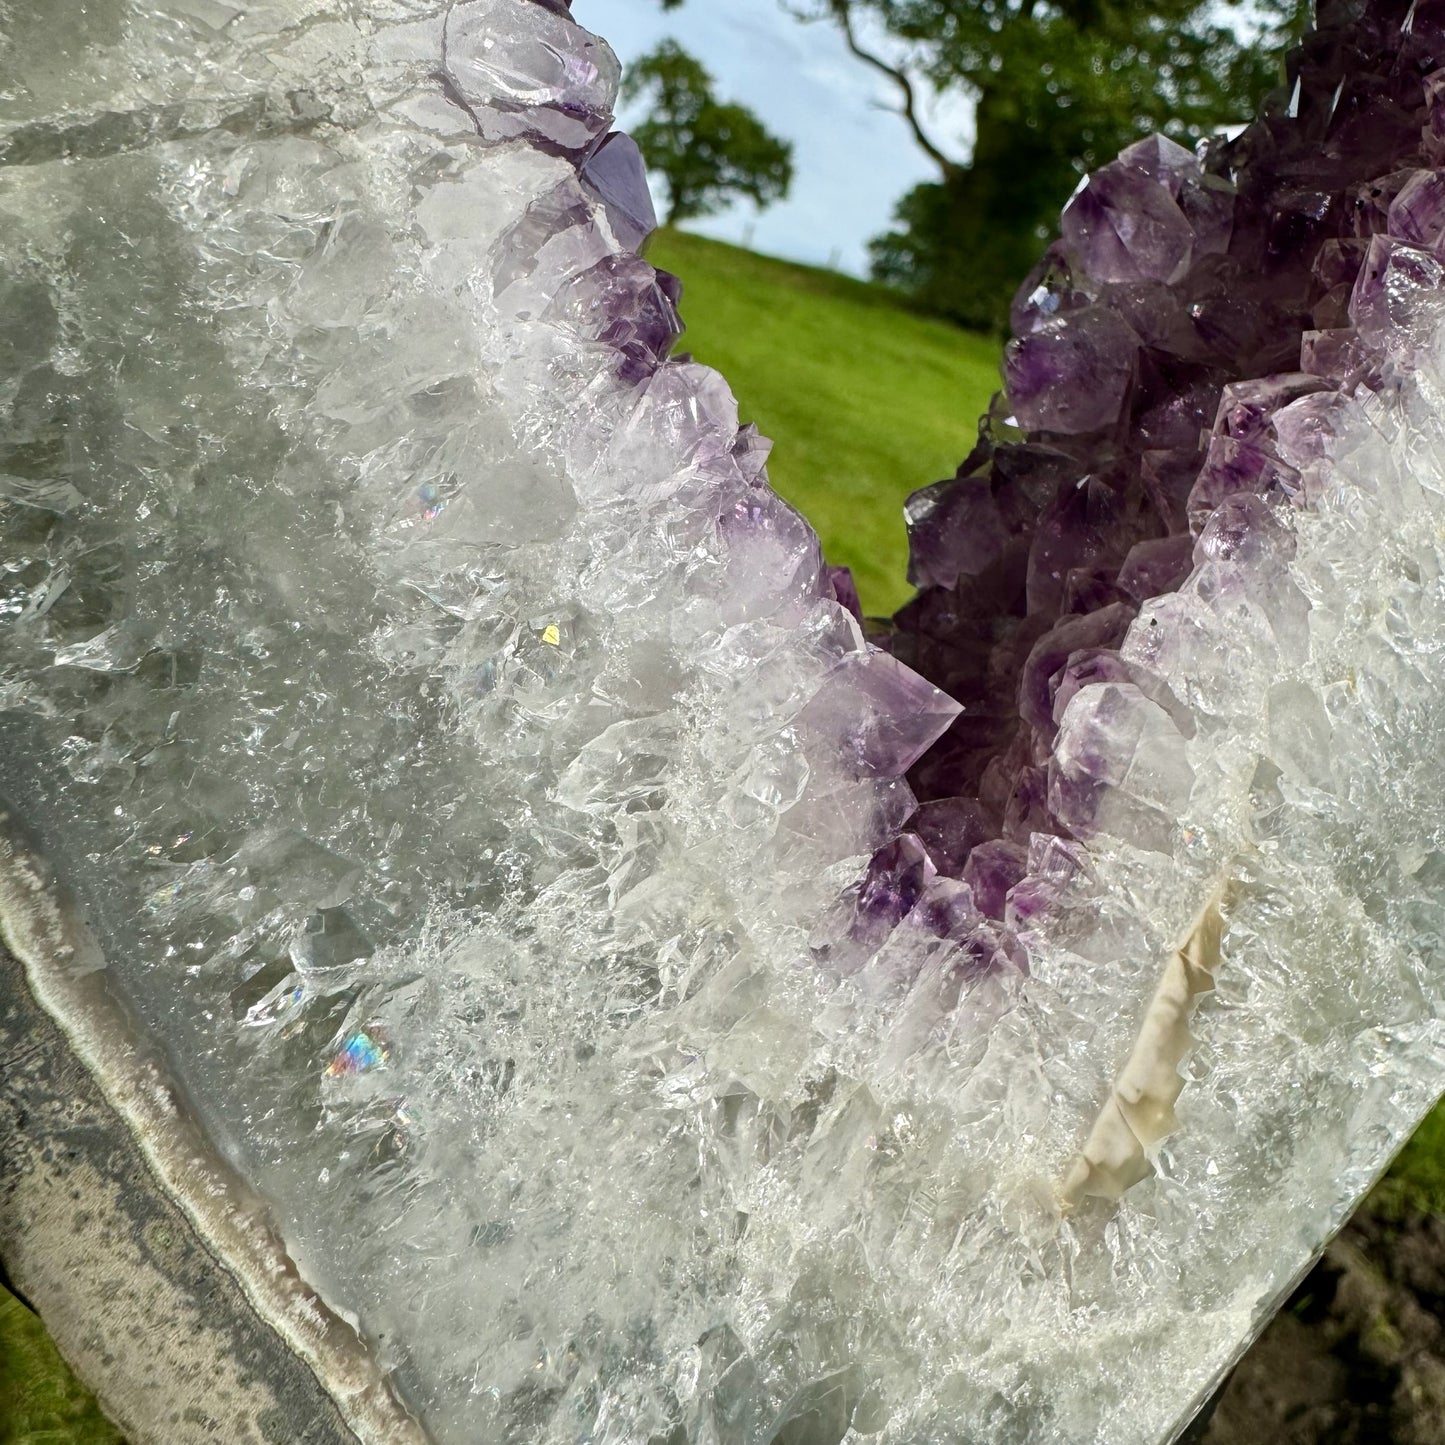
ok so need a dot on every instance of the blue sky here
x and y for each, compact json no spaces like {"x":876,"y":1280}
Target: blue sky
{"x":852,"y":158}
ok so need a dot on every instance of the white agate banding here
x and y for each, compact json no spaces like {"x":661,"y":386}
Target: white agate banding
{"x":1139,"y":1112}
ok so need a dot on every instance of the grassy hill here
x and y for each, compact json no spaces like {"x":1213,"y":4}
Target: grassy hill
{"x":864,"y":400}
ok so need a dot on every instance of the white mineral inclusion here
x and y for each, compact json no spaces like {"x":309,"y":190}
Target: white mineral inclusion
{"x":365,"y":620}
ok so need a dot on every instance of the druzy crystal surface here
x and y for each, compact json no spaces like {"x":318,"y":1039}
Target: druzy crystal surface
{"x":1180,"y":360}
{"x":651,"y":1010}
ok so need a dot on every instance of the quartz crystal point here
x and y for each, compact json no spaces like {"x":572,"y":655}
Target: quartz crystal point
{"x":640,"y":1008}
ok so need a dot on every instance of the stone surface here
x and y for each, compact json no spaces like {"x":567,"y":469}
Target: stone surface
{"x":133,"y":1296}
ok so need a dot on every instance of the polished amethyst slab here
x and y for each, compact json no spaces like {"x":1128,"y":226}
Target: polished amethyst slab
{"x":472,"y":769}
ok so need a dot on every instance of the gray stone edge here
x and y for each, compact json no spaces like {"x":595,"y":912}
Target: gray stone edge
{"x":155,"y":1267}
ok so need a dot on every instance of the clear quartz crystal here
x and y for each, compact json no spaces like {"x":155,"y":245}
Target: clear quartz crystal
{"x":458,"y":749}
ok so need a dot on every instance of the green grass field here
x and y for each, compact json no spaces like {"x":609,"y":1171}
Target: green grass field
{"x":864,"y":400}
{"x":41,"y":1402}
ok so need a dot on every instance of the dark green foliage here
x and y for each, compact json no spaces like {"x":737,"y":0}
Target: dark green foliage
{"x":1416,"y":1180}
{"x":707,"y":151}
{"x":959,"y":247}
{"x":1059,"y":89}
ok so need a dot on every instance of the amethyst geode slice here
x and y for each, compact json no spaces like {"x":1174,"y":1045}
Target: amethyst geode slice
{"x":637,"y":1006}
{"x":1177,"y":358}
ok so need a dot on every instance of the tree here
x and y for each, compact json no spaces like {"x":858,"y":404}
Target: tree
{"x":707,"y":151}
{"x":1058,"y":86}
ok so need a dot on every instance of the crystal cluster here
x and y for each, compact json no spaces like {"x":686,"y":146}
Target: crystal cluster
{"x":1176,"y":360}
{"x":409,"y":667}
{"x":471,"y":771}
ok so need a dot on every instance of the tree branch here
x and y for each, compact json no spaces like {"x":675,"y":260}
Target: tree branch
{"x":842,"y":12}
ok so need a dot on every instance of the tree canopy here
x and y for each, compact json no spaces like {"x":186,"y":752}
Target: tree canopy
{"x":706,"y":150}
{"x":1058,"y":87}
{"x":1098,"y":72}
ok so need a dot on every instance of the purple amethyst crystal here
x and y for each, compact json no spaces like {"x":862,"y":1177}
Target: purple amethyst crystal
{"x":521,"y":72}
{"x":621,"y":303}
{"x":1390,"y":285}
{"x":965,"y":531}
{"x":1417,"y":214}
{"x":1178,"y":355}
{"x":950,"y":828}
{"x":1126,"y":224}
{"x":616,"y":173}
{"x":1071,"y":635}
{"x":992,"y":869}
{"x":1155,"y":566}
{"x":1242,"y":528}
{"x":845,"y":590}
{"x":1072,"y":374}
{"x":894,"y":883}
{"x":877,"y":715}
